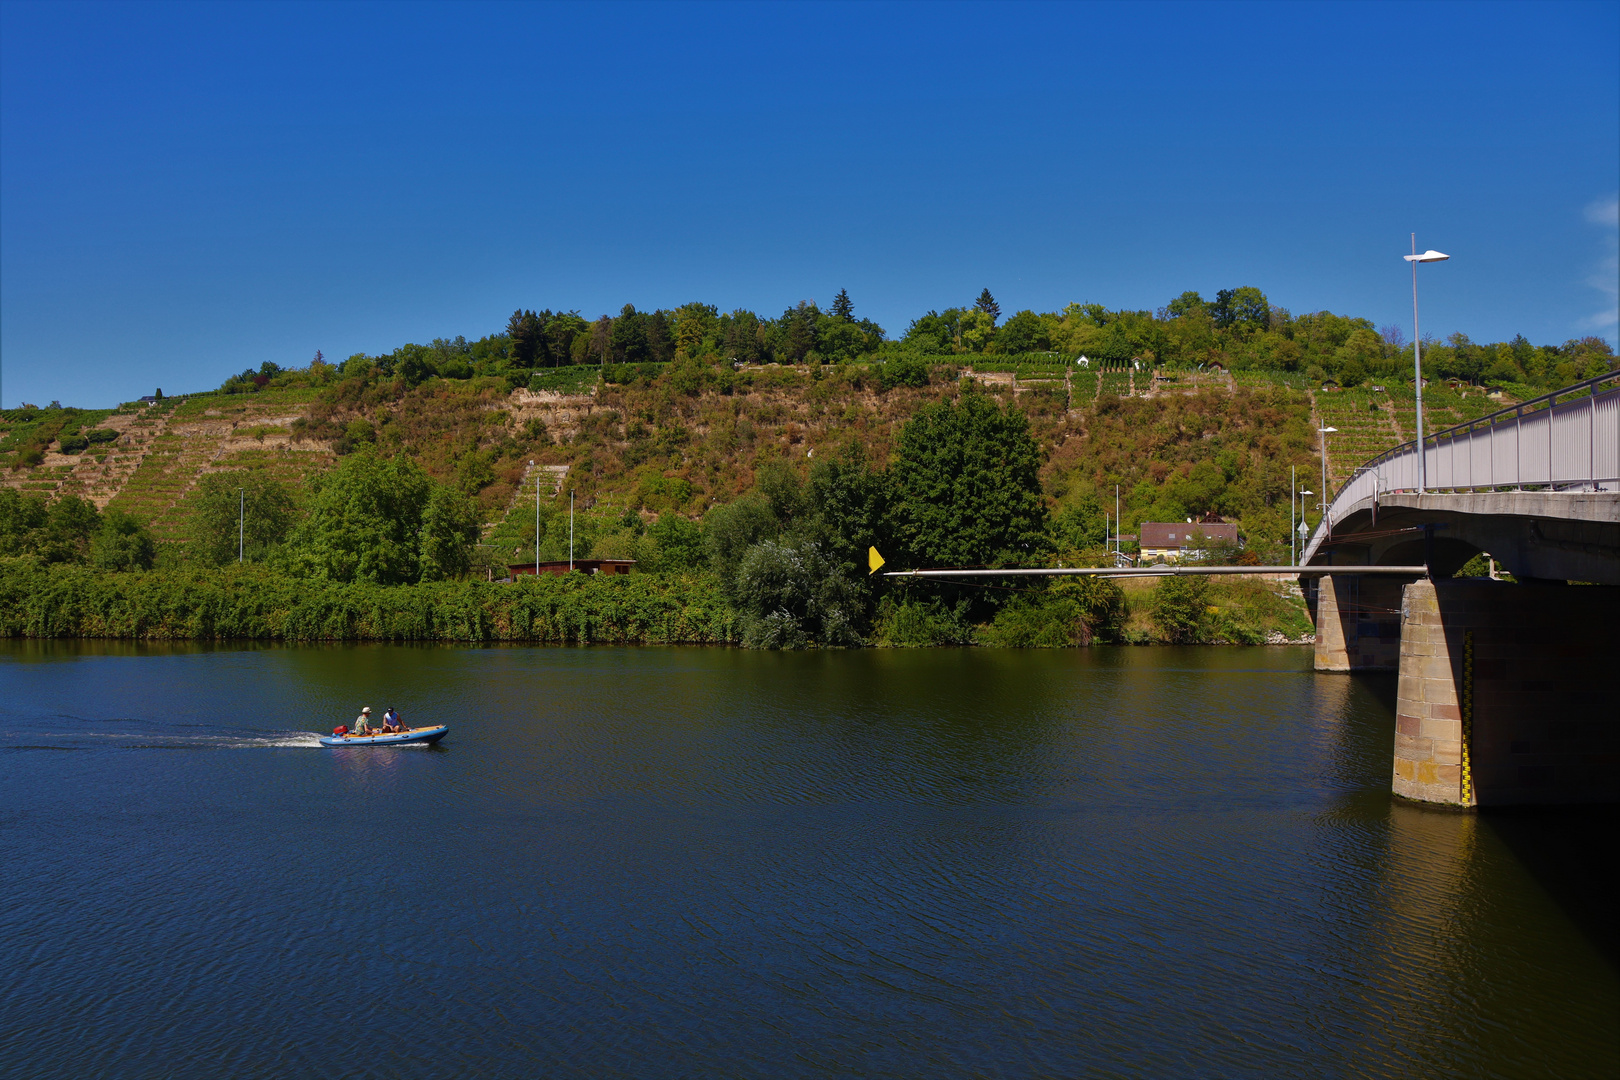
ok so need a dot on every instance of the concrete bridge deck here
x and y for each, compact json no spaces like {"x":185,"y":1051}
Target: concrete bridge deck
{"x":1506,"y":692}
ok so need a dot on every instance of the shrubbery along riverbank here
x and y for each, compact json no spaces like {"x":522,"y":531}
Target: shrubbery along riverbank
{"x":252,"y":603}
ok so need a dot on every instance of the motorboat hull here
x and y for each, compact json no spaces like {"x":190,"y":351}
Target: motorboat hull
{"x":418,"y":735}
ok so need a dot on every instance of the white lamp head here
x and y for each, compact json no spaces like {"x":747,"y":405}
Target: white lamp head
{"x":1327,"y":430}
{"x":1428,"y":256}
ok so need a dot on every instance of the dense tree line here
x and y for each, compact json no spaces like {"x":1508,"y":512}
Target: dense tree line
{"x":1239,"y":329}
{"x":72,"y":530}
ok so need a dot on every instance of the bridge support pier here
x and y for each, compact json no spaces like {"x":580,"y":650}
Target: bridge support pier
{"x":1506,"y":694}
{"x":1358,"y":622}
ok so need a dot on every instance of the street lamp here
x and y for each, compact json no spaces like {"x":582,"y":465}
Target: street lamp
{"x":1303,"y":530}
{"x":1417,"y":345}
{"x":1325,"y":432}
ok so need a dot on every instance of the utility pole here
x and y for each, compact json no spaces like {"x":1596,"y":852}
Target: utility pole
{"x":1116,"y":523}
{"x":1293,"y":557}
{"x":570,"y":531}
{"x":536,"y":521}
{"x":241,"y":525}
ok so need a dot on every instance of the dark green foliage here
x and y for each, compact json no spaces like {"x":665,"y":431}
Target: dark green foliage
{"x":254,"y":603}
{"x":71,"y":530}
{"x":1180,"y":608}
{"x":252,"y":504}
{"x":629,"y":337}
{"x":987,"y":304}
{"x":902,"y":371}
{"x":676,"y":545}
{"x":523,"y":332}
{"x":384,"y":522}
{"x":935,"y":333}
{"x":730,"y":530}
{"x":842,"y":309}
{"x":907,"y":619}
{"x":1024,"y":332}
{"x":791,"y":595}
{"x":1081,"y":525}
{"x":1070,"y":611}
{"x":122,"y":544}
{"x":966,"y":488}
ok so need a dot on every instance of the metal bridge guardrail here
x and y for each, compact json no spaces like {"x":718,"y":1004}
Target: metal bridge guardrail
{"x":1544,"y":444}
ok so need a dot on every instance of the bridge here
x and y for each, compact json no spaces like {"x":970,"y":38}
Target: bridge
{"x":1506,"y":692}
{"x":1506,"y":687}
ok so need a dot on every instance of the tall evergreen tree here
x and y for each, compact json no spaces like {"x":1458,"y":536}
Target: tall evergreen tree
{"x":842,"y":309}
{"x":630,"y":336}
{"x":524,"y":329}
{"x":987,"y":304}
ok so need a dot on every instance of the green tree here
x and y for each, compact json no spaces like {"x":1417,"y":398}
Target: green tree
{"x":1180,"y":608}
{"x":629,"y":336}
{"x":1024,"y":332}
{"x":1185,"y":304}
{"x":61,"y":531}
{"x":934,"y":333}
{"x":122,"y":543}
{"x":791,"y":595}
{"x":966,"y":487}
{"x":524,"y":331}
{"x":660,"y":337}
{"x":385,"y":522}
{"x":987,"y":304}
{"x":842,"y":309}
{"x":796,"y":331}
{"x":676,"y":544}
{"x":262,"y":507}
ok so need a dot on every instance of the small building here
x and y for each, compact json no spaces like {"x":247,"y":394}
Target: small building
{"x":583,"y":566}
{"x":1172,"y":541}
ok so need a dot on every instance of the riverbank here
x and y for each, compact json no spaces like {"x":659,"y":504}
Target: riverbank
{"x":255,"y":604}
{"x":251,"y":603}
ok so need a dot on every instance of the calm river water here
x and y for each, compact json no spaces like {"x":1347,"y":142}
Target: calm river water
{"x":711,"y":862}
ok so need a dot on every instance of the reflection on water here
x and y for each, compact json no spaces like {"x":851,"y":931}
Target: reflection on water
{"x":676,"y":862}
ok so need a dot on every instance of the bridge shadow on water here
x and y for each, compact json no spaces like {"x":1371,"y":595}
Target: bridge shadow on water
{"x":1566,"y":850}
{"x":1569,"y":851}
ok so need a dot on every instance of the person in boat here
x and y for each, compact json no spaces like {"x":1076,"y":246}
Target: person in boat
{"x":390,"y":722}
{"x":362,"y":723}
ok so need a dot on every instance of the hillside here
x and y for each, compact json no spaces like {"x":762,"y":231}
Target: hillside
{"x":654,"y":439}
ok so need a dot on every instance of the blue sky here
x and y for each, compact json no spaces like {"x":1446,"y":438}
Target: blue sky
{"x":188,"y":190}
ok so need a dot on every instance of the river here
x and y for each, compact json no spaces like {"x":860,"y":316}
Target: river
{"x":1132,"y":862}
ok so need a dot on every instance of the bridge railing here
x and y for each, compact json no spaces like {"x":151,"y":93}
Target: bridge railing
{"x":1568,"y":440}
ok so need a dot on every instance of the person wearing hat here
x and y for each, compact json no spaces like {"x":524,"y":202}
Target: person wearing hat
{"x":362,"y":723}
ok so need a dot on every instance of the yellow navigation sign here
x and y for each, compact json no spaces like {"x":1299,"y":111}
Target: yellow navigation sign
{"x":874,"y":560}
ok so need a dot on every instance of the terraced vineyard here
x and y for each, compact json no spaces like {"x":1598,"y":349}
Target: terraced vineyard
{"x":615,"y":433}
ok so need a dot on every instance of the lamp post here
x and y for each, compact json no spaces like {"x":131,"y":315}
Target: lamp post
{"x":1417,"y":347}
{"x":1324,"y":433}
{"x":1303,"y":531}
{"x":241,"y":524}
{"x":536,"y":522}
{"x":1293,"y":558}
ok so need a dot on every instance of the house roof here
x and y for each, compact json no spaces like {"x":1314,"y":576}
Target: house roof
{"x":1176,"y":534}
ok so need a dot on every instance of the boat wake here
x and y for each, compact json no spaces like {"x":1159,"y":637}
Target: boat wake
{"x":45,"y":734}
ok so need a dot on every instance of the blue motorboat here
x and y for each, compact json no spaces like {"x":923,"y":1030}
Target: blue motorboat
{"x":415,"y":735}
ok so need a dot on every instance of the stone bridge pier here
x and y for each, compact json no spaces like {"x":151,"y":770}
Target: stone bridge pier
{"x":1507,"y":693}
